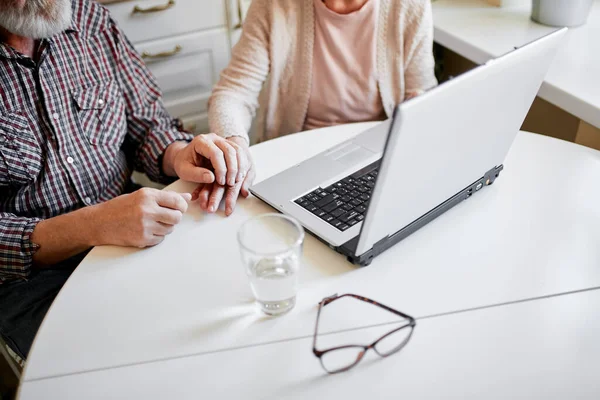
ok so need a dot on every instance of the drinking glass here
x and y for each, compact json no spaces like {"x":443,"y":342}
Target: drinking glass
{"x":271,"y":247}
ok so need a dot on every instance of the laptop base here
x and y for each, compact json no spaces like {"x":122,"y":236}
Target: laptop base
{"x":349,"y":248}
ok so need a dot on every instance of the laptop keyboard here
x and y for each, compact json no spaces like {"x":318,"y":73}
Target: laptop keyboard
{"x":344,"y":203}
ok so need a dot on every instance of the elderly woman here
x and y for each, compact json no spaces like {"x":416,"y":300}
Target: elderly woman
{"x":319,"y":63}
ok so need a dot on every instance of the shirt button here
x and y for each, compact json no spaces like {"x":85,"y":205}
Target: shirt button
{"x":100,"y":102}
{"x":70,"y":160}
{"x":2,"y":139}
{"x":88,"y":200}
{"x":55,"y":116}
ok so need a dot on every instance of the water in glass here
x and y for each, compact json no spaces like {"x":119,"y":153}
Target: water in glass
{"x":274,"y":283}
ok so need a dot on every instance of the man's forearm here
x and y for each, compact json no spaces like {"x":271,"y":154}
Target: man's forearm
{"x":64,"y":236}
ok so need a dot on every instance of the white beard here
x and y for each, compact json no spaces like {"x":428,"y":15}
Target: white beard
{"x":37,"y":20}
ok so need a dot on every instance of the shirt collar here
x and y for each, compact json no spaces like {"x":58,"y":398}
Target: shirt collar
{"x":8,"y":52}
{"x":74,"y":27}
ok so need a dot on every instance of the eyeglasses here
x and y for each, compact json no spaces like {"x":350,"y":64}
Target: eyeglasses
{"x":342,"y":358}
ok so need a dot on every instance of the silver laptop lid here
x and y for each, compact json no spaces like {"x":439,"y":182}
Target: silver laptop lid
{"x":452,"y":135}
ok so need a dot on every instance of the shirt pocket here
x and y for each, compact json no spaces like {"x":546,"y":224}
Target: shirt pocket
{"x":21,"y":157}
{"x":101,"y":113}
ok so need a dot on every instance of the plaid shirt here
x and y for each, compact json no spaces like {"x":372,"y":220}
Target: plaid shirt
{"x":73,"y":126}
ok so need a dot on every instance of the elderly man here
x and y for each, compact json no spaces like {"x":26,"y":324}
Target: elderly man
{"x":78,"y":112}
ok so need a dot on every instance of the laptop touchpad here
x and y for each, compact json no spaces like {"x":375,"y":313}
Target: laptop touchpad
{"x":352,"y":155}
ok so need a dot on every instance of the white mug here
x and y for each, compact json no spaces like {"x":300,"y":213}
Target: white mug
{"x":569,"y":13}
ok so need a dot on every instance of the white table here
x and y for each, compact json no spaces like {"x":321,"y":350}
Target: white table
{"x":478,"y":31}
{"x":543,"y":349}
{"x":534,"y":233}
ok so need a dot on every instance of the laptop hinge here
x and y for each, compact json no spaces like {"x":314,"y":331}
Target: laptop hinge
{"x":379,"y":247}
{"x":349,"y":250}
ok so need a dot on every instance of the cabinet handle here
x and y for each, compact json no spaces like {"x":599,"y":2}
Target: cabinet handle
{"x":140,"y":10}
{"x":164,"y":54}
{"x":191,"y":127}
{"x":239,"y":9}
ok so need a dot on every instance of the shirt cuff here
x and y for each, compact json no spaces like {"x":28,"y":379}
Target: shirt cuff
{"x":17,"y":248}
{"x":155,"y":149}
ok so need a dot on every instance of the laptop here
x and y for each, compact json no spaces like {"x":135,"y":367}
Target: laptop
{"x":366,"y":194}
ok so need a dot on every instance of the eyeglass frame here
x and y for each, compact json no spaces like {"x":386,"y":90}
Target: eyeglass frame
{"x":320,"y":353}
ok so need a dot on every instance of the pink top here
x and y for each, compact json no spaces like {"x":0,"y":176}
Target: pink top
{"x":344,"y":79}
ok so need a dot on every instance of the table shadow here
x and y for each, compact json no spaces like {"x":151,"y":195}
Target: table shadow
{"x":196,"y":212}
{"x":319,"y":377}
{"x":235,"y":318}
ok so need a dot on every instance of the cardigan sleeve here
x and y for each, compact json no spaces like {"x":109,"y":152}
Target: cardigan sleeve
{"x":419,"y":72}
{"x":234,"y":99}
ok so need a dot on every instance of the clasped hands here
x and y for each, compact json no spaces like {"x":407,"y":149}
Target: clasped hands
{"x":223,"y":168}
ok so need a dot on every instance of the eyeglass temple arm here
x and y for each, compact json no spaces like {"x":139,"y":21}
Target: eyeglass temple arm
{"x":321,"y":304}
{"x":329,"y":299}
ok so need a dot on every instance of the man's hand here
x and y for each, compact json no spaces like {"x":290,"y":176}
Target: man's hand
{"x":211,"y":194}
{"x":141,"y":219}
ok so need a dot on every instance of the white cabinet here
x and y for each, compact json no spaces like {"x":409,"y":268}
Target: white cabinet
{"x":187,"y":67}
{"x":237,"y":13}
{"x":153,"y":19}
{"x":186,"y":44}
